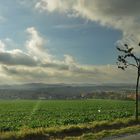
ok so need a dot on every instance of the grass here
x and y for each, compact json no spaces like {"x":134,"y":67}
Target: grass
{"x":95,"y":130}
{"x":108,"y":133}
{"x":37,"y":113}
{"x":73,"y":119}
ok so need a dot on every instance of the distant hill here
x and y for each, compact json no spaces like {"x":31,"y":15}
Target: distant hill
{"x":64,"y":91}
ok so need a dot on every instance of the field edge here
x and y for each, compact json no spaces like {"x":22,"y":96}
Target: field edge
{"x":93,"y":129}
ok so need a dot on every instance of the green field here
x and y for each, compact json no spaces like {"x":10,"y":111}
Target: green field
{"x":17,"y":114}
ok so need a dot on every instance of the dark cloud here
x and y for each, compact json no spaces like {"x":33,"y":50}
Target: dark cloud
{"x":17,"y":58}
{"x":118,"y":7}
{"x":119,"y":14}
{"x":59,"y":66}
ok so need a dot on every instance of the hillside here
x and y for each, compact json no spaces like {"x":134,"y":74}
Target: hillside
{"x":66,"y":91}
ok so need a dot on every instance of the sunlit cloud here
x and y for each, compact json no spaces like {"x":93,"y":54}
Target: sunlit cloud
{"x":36,"y":64}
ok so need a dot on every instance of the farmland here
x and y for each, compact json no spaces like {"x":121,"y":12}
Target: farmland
{"x":18,"y":114}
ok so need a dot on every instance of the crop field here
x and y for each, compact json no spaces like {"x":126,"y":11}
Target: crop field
{"x":17,"y":114}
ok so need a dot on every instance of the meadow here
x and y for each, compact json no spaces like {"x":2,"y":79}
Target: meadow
{"x":18,"y":114}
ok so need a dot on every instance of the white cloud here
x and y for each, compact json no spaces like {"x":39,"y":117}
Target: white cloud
{"x":54,"y":5}
{"x":36,"y":64}
{"x":69,"y":60}
{"x":35,"y":46}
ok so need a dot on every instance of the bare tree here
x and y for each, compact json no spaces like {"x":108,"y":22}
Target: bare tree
{"x":129,"y":58}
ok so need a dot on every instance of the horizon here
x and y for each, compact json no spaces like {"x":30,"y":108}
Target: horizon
{"x":71,"y":84}
{"x":57,"y":41}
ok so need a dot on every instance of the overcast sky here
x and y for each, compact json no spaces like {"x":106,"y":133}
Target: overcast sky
{"x":65,"y":41}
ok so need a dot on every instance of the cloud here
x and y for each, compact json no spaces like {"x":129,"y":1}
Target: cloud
{"x":36,"y":64}
{"x":35,"y":55}
{"x":85,"y":74}
{"x":35,"y":46}
{"x":70,"y":26}
{"x":121,"y":14}
{"x":132,"y":41}
{"x":16,"y":57}
{"x":54,"y":5}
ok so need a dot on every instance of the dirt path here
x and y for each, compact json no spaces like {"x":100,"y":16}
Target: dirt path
{"x":131,"y":137}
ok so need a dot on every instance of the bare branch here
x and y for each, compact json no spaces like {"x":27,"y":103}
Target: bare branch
{"x":123,"y":63}
{"x":127,"y":53}
{"x":132,"y":65}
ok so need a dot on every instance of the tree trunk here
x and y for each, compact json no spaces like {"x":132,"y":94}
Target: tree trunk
{"x":137,"y":90}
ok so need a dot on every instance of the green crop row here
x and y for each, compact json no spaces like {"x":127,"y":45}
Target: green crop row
{"x":15,"y":115}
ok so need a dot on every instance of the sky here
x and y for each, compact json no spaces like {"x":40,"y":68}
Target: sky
{"x":66,"y":41}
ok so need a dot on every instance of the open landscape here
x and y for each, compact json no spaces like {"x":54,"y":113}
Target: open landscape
{"x":21,"y":115}
{"x":66,"y":111}
{"x":69,"y":69}
{"x":33,"y":114}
